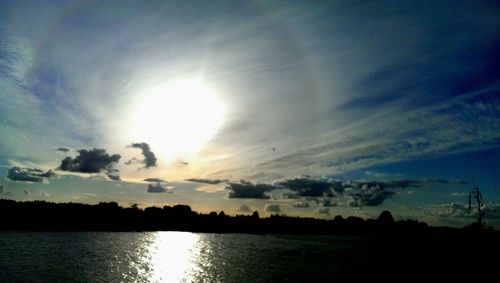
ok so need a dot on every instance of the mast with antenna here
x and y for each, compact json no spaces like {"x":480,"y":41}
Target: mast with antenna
{"x":476,"y":194}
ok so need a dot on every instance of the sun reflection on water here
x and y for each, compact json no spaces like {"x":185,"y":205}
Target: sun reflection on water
{"x":172,"y":257}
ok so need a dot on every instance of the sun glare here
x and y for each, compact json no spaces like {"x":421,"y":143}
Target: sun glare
{"x":176,"y":118}
{"x":172,"y":257}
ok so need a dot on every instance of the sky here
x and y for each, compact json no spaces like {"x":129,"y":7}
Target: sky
{"x":300,"y":108}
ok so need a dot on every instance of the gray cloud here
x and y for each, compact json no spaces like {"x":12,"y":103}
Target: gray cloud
{"x":245,"y":189}
{"x":149,"y":157}
{"x":491,"y":211}
{"x":369,"y":196}
{"x":90,"y":161}
{"x":308,"y":187}
{"x":327,"y":202}
{"x":244,"y":208}
{"x":28,"y":174}
{"x":458,"y":210}
{"x":323,"y":210}
{"x":158,"y":188}
{"x":114,"y":176}
{"x":3,"y":191}
{"x":62,"y":149}
{"x":402,"y":183}
{"x":207,"y":181}
{"x":303,"y":204}
{"x":273,"y":208}
{"x":359,"y":192}
{"x":27,"y":192}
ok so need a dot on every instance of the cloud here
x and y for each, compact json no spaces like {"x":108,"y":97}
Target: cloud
{"x":27,"y":192}
{"x":45,"y":194}
{"x":491,"y":211}
{"x":206,"y":181}
{"x":149,"y":156}
{"x":273,"y":208}
{"x":244,"y":208}
{"x":308,"y":187}
{"x":369,"y":196}
{"x":28,"y":174}
{"x":158,"y":188}
{"x":3,"y":191}
{"x":245,"y":189}
{"x":313,"y":199}
{"x":377,"y":138}
{"x":90,"y":161}
{"x":154,"y":180}
{"x":113,"y":176}
{"x":328,"y":203}
{"x":63,"y":149}
{"x":303,"y":204}
{"x":359,"y":192}
{"x":402,"y":183}
{"x":323,"y":210}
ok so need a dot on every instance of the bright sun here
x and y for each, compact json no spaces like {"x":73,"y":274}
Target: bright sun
{"x":176,"y":118}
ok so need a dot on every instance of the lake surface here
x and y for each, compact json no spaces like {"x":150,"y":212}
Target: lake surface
{"x":174,"y":257}
{"x":200,"y":257}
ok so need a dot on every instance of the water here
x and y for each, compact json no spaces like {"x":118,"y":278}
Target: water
{"x":176,"y":257}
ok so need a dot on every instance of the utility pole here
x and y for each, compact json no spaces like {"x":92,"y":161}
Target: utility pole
{"x":476,"y":194}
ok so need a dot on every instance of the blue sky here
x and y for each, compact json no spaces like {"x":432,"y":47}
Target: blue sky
{"x":293,"y":96}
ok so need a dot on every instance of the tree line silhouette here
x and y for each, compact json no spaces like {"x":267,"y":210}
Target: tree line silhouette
{"x":109,"y":216}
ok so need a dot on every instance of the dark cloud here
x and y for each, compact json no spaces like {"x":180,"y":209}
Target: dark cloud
{"x":207,"y":181}
{"x":309,"y":187}
{"x":359,"y":192}
{"x":273,"y":208}
{"x":246,"y":189}
{"x":302,"y":204}
{"x":28,"y":174}
{"x":458,"y":210}
{"x":491,"y":211}
{"x":328,"y":203}
{"x":158,"y":188}
{"x":291,"y":196}
{"x":90,"y":161}
{"x":154,"y":180}
{"x":27,"y":192}
{"x":133,"y":160}
{"x":63,"y":149}
{"x":323,"y":210}
{"x":149,"y":156}
{"x":313,"y":199}
{"x":402,"y":183}
{"x":244,"y":208}
{"x":114,"y":176}
{"x":369,"y":196}
{"x":3,"y":191}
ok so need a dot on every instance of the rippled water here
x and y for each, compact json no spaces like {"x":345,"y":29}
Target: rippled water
{"x":173,"y":257}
